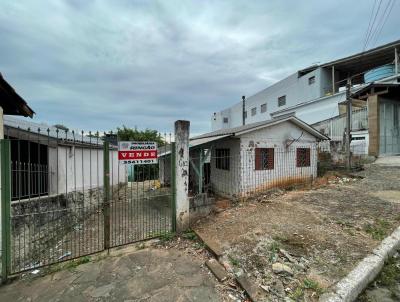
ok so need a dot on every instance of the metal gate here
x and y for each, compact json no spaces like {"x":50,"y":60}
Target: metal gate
{"x":65,"y":195}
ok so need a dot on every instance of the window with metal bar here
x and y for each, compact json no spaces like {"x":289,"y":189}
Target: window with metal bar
{"x":303,"y":157}
{"x":264,"y":158}
{"x":222,"y":159}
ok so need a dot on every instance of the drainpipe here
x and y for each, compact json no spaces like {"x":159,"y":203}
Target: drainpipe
{"x":243,"y":110}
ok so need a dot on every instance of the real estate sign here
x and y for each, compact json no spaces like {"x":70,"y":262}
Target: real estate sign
{"x":137,"y":153}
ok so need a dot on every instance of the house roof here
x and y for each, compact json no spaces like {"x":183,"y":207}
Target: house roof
{"x":235,"y":131}
{"x":25,"y":129}
{"x":11,"y":102}
{"x":376,"y":87}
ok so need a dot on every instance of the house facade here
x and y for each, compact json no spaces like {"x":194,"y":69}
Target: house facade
{"x":48,"y":161}
{"x":317,"y":93}
{"x":255,"y":157}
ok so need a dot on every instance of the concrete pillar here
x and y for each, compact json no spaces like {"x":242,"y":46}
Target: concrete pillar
{"x":182,"y":174}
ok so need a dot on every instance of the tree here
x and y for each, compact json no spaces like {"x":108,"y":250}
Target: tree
{"x":129,"y":134}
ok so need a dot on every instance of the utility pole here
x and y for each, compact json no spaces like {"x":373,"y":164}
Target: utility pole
{"x":348,"y":123}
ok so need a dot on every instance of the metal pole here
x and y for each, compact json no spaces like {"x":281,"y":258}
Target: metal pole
{"x":396,"y":61}
{"x":348,"y":123}
{"x":243,"y":110}
{"x":5,"y":209}
{"x":333,"y":80}
{"x":106,"y":204}
{"x":201,"y":166}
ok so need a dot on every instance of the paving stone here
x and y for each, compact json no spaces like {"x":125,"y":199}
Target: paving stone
{"x":248,"y":287}
{"x":217,"y":269}
{"x":211,"y":245}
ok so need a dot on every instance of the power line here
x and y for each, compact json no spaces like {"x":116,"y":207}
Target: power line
{"x":369,"y":25}
{"x":372,"y":26}
{"x":383,"y":20}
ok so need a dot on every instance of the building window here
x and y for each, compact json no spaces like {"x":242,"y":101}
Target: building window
{"x":303,"y":157}
{"x":263,"y":108}
{"x":264,"y":158}
{"x":253,"y":111}
{"x":282,"y":100}
{"x":222,"y":159}
{"x":311,"y":80}
{"x":226,"y":120}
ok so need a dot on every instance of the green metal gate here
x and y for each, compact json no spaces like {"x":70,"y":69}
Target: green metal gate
{"x":65,"y":195}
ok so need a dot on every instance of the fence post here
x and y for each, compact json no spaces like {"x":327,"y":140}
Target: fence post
{"x":5,"y":158}
{"x":106,"y":194}
{"x":182,"y":174}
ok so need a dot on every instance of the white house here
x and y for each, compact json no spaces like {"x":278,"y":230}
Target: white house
{"x":48,"y":161}
{"x":241,"y":160}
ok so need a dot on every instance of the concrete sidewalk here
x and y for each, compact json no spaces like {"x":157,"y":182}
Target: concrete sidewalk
{"x":146,"y":275}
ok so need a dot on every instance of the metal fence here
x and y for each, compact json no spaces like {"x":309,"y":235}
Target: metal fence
{"x":248,"y":172}
{"x":66,"y":195}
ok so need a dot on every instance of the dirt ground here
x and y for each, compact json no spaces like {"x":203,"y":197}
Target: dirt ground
{"x":294,"y":245}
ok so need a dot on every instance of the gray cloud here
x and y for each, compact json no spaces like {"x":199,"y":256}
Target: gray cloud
{"x":100,"y":64}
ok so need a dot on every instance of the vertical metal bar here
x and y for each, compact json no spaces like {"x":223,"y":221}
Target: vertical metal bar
{"x":5,"y":208}
{"x":106,"y":202}
{"x":173,"y":186}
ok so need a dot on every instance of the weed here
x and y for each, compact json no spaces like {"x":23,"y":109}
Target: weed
{"x":164,"y":236}
{"x":297,"y":294}
{"x":313,"y":285}
{"x":189,"y":234}
{"x":390,"y":275}
{"x":378,"y":230}
{"x":274,"y":249}
{"x":234,"y":261}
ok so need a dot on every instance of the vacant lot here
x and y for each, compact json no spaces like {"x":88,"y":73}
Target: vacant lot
{"x":299,"y":243}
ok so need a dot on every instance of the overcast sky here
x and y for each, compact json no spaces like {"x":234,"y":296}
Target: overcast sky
{"x":96,"y":65}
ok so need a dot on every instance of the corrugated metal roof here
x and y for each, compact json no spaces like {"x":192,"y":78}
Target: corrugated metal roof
{"x":259,"y":125}
{"x":47,"y":131}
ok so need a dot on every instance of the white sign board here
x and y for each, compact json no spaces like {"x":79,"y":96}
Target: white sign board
{"x":137,"y":153}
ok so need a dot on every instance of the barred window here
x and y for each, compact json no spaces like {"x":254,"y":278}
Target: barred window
{"x":222,"y":159}
{"x":264,"y":158}
{"x":282,"y":101}
{"x":303,"y":157}
{"x":226,"y":120}
{"x":253,"y":111}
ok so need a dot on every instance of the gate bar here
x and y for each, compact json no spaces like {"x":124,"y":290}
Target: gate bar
{"x":106,"y":205}
{"x":5,"y":162}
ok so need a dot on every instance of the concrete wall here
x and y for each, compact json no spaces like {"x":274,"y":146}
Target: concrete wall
{"x":285,"y":171}
{"x":81,"y":168}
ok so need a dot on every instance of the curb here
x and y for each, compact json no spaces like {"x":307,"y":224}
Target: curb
{"x":351,"y":286}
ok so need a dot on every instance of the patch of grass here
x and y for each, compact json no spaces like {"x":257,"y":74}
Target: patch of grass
{"x":297,"y":294}
{"x":234,"y":261}
{"x":164,"y":236}
{"x":312,"y":285}
{"x":76,"y":262}
{"x":308,"y":284}
{"x":390,"y":274}
{"x":273,"y":249}
{"x":378,"y":230}
{"x":189,"y":234}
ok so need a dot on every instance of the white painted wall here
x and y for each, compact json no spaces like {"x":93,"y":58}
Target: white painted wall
{"x":285,"y":168}
{"x":81,"y":168}
{"x":242,"y":176}
{"x":226,"y":182}
{"x":296,"y":89}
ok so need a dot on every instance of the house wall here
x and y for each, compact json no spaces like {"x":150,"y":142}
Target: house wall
{"x":296,"y":89}
{"x":226,"y":182}
{"x":81,"y":168}
{"x":285,"y":171}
